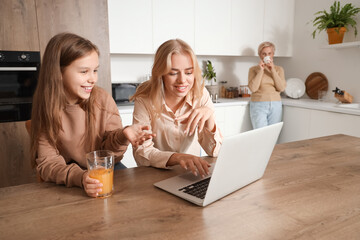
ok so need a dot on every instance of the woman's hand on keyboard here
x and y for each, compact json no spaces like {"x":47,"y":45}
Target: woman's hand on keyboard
{"x":190,"y":162}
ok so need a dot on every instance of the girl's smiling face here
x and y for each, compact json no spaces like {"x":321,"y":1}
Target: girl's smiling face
{"x":80,"y":77}
{"x":180,"y":80}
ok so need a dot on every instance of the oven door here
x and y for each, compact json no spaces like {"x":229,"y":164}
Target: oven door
{"x":17,"y":86}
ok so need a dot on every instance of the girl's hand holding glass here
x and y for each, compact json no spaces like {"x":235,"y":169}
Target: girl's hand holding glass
{"x":91,"y":186}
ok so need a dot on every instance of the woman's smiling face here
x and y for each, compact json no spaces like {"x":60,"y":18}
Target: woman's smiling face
{"x":180,"y":80}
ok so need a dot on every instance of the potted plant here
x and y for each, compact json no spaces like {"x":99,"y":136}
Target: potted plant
{"x":209,"y":72}
{"x":210,"y":75}
{"x":336,"y":21}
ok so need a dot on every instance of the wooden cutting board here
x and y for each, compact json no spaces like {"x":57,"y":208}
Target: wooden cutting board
{"x":314,"y":83}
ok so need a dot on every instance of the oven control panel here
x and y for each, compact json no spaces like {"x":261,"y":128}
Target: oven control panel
{"x":19,"y":57}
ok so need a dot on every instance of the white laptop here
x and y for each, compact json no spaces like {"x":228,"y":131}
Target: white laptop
{"x":242,"y":160}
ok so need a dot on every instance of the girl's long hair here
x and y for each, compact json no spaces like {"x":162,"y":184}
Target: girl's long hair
{"x":153,"y":89}
{"x":49,"y":98}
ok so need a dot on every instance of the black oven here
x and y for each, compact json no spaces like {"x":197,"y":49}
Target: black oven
{"x":18,"y":78}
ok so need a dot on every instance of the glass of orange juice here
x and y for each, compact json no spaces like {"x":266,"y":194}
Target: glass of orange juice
{"x":100,"y":165}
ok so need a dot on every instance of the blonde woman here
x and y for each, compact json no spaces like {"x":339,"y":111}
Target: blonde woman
{"x":179,"y":110}
{"x":266,"y":82}
{"x":72,"y":116}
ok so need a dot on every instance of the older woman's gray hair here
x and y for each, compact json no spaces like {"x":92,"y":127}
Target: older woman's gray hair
{"x":264,"y":45}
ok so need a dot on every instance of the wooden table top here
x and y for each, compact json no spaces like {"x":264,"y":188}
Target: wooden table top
{"x":310,"y":190}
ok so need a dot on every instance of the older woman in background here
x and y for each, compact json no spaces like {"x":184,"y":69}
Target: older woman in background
{"x":266,"y":82}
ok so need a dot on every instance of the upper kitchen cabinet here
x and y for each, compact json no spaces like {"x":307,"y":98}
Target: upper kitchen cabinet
{"x":173,"y":19}
{"x":213,"y":27}
{"x":87,"y":18}
{"x":18,"y":29}
{"x":247,"y":18}
{"x":279,"y":25}
{"x":131,"y":26}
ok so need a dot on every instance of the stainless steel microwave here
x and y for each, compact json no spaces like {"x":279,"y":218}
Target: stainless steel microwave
{"x":122,"y":92}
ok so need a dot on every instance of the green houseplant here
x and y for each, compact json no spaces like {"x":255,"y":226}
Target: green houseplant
{"x":336,"y":21}
{"x":210,"y":75}
{"x":209,"y":72}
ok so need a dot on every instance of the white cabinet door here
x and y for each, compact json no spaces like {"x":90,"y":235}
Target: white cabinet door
{"x":130,"y":26}
{"x":237,"y":120}
{"x":220,"y":118}
{"x":213,"y":27}
{"x":279,"y":25}
{"x":247,"y":18}
{"x":325,"y":123}
{"x":128,"y":159}
{"x":173,"y":19}
{"x":303,"y":123}
{"x":232,"y":119}
{"x":296,"y":124}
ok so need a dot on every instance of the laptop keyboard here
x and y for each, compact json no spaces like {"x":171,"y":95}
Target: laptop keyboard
{"x":197,"y":189}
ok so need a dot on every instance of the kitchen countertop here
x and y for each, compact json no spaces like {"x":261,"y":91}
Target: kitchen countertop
{"x":302,"y":103}
{"x":322,"y":105}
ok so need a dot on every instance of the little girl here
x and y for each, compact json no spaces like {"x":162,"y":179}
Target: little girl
{"x":71,"y":116}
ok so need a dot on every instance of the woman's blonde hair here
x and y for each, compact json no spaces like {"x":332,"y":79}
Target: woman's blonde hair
{"x":49,"y":98}
{"x":153,"y":89}
{"x":264,"y":45}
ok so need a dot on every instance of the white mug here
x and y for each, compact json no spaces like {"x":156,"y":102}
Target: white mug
{"x":267,"y":59}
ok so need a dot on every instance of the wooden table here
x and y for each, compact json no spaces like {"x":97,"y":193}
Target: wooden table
{"x":310,"y":190}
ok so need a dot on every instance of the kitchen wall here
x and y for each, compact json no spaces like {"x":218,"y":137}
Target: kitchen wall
{"x":134,"y":68}
{"x":341,"y":66}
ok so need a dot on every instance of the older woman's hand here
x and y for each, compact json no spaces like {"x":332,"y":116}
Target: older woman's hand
{"x":262,"y":64}
{"x":198,"y":117}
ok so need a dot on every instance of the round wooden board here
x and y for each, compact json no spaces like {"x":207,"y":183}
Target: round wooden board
{"x":314,"y":83}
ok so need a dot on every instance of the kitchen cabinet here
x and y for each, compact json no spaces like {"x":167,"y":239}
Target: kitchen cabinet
{"x":325,"y":123}
{"x":296,"y":124}
{"x":213,"y":27}
{"x":128,"y":159}
{"x":142,"y":30}
{"x":303,"y":123}
{"x":19,"y":31}
{"x":130,"y":26}
{"x":233,"y":119}
{"x":279,"y":25}
{"x":173,"y":19}
{"x":247,"y":26}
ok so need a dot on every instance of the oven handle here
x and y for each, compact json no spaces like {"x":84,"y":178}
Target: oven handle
{"x":18,"y":69}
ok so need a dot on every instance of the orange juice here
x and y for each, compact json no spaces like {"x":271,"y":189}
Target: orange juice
{"x":105,"y":176}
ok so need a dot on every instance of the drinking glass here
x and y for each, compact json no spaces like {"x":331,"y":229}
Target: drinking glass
{"x":321,"y":95}
{"x":100,"y":165}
